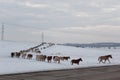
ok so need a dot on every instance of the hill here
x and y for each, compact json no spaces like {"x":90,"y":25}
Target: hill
{"x":95,"y":45}
{"x":18,"y":65}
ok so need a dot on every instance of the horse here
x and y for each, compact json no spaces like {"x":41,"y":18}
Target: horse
{"x":104,"y":58}
{"x":38,"y":57}
{"x":41,"y":57}
{"x":49,"y":58}
{"x":18,"y":54}
{"x":76,"y":61}
{"x":29,"y":56}
{"x":44,"y":57}
{"x":24,"y":55}
{"x":13,"y":54}
{"x":66,"y":58}
{"x":56,"y":59}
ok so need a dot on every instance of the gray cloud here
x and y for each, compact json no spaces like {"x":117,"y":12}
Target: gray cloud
{"x":57,"y":15}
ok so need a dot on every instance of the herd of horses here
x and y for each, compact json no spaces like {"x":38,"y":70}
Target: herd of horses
{"x":40,"y":57}
{"x":57,"y":59}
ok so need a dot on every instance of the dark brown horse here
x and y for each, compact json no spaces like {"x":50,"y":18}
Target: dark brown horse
{"x":12,"y":54}
{"x":49,"y":58}
{"x":29,"y":56}
{"x":18,"y":54}
{"x":104,"y":58}
{"x":76,"y":61}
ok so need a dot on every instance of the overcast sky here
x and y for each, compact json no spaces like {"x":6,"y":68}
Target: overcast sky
{"x":61,"y":21}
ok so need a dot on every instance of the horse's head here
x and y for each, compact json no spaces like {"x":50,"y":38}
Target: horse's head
{"x":69,"y":57}
{"x":80,"y":59}
{"x":110,"y":56}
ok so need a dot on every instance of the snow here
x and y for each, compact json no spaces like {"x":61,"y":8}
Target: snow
{"x":10,"y":65}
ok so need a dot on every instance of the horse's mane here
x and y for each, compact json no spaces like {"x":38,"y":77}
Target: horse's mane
{"x":108,"y":55}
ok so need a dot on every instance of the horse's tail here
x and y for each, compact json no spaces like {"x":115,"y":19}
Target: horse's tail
{"x":98,"y":58}
{"x":71,"y":62}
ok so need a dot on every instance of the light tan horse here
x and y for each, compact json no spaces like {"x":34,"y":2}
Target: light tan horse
{"x":104,"y":58}
{"x":56,"y":59}
{"x":41,"y":57}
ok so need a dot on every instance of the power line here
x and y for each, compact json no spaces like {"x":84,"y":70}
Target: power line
{"x":24,"y":26}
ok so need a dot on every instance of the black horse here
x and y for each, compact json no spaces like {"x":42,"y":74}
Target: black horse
{"x":76,"y":61}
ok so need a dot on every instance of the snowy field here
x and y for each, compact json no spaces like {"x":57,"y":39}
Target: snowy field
{"x":10,"y":65}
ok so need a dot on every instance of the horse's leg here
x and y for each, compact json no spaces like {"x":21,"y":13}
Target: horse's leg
{"x":71,"y":63}
{"x":100,"y":61}
{"x":109,"y":61}
{"x":58,"y":61}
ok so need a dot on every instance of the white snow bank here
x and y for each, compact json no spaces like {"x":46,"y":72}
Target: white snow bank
{"x":10,"y":65}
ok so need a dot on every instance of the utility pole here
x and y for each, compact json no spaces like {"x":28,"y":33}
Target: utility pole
{"x":2,"y":34}
{"x":42,"y":36}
